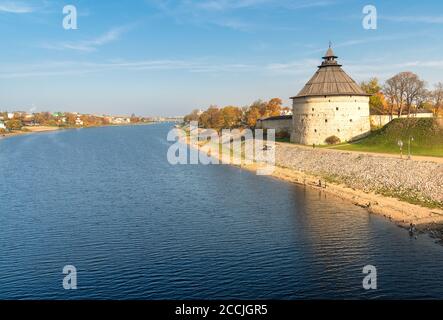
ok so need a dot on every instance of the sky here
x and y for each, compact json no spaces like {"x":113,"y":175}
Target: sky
{"x":167,"y":57}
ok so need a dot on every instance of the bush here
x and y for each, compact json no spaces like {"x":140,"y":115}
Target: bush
{"x":14,"y":124}
{"x":333,"y":140}
{"x":2,"y":131}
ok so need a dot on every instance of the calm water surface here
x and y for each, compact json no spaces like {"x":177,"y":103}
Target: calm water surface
{"x":106,"y":201}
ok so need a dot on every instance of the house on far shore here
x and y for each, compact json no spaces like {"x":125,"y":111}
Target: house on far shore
{"x":119,"y":120}
{"x":2,"y":125}
{"x":78,"y":121}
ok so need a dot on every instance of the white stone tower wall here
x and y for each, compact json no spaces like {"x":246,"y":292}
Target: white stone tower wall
{"x":317,"y":118}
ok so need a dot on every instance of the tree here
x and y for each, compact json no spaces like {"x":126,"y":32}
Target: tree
{"x":14,"y":124}
{"x":273,"y":107}
{"x":437,"y":98}
{"x":212,"y":118}
{"x":371,"y":87}
{"x":395,"y":91}
{"x":260,"y":105}
{"x":405,"y":89}
{"x":390,"y":92}
{"x":71,"y":119}
{"x":415,"y":90}
{"x":252,"y":115}
{"x":422,"y":99}
{"x":193,"y":116}
{"x":376,"y":101}
{"x":43,"y":118}
{"x":232,"y":117}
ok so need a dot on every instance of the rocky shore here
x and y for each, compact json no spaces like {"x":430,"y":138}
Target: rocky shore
{"x":419,"y":182}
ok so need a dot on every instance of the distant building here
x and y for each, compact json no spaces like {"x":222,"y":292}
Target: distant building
{"x":120,"y":120}
{"x":78,"y":121}
{"x":286,"y":112}
{"x":2,"y":125}
{"x":58,"y":114}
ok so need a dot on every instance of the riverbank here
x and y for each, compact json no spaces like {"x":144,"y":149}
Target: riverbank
{"x":41,"y":129}
{"x":403,"y":191}
{"x":30,"y":130}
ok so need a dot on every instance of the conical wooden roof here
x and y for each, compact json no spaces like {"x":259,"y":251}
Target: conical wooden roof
{"x":330,"y":80}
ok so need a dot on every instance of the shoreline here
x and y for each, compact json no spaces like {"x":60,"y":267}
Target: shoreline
{"x":43,"y":129}
{"x":31,"y":130}
{"x":402,"y":213}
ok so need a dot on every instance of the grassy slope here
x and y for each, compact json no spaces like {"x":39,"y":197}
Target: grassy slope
{"x":427,"y":134}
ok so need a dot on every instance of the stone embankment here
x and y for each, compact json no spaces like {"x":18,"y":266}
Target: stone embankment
{"x":418,"y":182}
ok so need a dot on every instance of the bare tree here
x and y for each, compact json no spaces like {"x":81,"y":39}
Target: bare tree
{"x":415,"y":90}
{"x":394,"y":92}
{"x":405,"y":89}
{"x":421,"y":99}
{"x":437,"y":98}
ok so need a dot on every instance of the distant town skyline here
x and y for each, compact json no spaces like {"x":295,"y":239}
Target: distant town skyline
{"x":165,"y":58}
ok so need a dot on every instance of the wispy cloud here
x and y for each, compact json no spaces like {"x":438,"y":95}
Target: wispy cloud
{"x":15,"y":7}
{"x":64,"y":68}
{"x":370,"y":40}
{"x":223,"y":5}
{"x":298,"y":67}
{"x":225,"y":13}
{"x":414,"y":19}
{"x":91,"y":44}
{"x":309,"y":4}
{"x":226,"y":5}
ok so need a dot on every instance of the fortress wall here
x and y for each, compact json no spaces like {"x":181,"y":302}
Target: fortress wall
{"x":317,"y":118}
{"x":280,"y":125}
{"x":382,"y":120}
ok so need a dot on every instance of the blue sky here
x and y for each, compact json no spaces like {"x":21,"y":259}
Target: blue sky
{"x":155,"y":57}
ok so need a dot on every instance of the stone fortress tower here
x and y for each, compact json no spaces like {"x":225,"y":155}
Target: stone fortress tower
{"x":330,"y":104}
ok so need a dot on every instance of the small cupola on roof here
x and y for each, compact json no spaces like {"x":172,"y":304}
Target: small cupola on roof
{"x":330,"y":80}
{"x":329,"y":59}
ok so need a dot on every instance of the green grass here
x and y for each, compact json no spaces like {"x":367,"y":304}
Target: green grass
{"x":427,"y":134}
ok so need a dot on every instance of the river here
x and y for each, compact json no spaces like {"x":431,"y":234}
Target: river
{"x":106,"y":201}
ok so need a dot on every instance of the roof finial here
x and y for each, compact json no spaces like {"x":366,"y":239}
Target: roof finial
{"x":330,"y":43}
